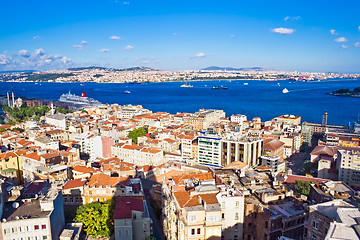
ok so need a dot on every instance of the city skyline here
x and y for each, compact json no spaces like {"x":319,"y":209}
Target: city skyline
{"x":304,"y":36}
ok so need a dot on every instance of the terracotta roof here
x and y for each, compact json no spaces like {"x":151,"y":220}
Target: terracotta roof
{"x":125,"y":205}
{"x":272,"y":144}
{"x":323,"y":150}
{"x":292,"y":178}
{"x":74,"y":184}
{"x":104,"y":180}
{"x":185,"y":200}
{"x":235,"y":165}
{"x":50,"y":155}
{"x":33,"y":155}
{"x":83,"y":169}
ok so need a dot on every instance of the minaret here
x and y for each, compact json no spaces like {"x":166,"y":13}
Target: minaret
{"x":13,"y":100}
{"x":52,"y":108}
{"x":324,"y":119}
{"x":8,"y":97}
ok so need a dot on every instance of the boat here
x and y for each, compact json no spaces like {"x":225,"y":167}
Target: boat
{"x":127,"y":92}
{"x":186,"y":85}
{"x":246,"y":84}
{"x":78,"y":100}
{"x":285,"y":90}
{"x":219,"y":87}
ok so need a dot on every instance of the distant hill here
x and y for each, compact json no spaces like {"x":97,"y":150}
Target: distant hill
{"x":85,"y":68}
{"x":113,"y":69}
{"x":216,"y":68}
{"x":19,"y":71}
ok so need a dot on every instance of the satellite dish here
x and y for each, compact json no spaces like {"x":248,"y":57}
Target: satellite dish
{"x":3,"y":220}
{"x":15,"y":205}
{"x":17,"y":218}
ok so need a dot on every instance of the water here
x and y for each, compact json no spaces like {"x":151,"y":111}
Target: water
{"x":257,"y":99}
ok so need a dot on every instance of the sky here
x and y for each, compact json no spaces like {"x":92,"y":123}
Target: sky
{"x":317,"y":36}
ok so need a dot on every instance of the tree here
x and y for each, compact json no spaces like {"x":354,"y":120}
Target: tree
{"x":134,"y":134}
{"x":97,"y":218}
{"x":302,"y":187}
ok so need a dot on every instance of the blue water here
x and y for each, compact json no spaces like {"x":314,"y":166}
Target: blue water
{"x":259,"y":98}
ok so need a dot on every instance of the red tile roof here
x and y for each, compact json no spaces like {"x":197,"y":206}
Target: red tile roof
{"x":125,"y":205}
{"x":74,"y":184}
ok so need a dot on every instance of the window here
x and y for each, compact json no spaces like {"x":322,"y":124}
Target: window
{"x":193,"y":231}
{"x":192,"y":218}
{"x":45,"y":237}
{"x":22,"y":229}
{"x":236,"y":216}
{"x":43,"y":226}
{"x":315,"y":225}
{"x":198,"y":231}
{"x":14,"y":230}
{"x":266,"y":224}
{"x":237,"y":204}
{"x":223,"y":216}
{"x":29,"y":228}
{"x":212,"y":218}
{"x":36,"y":227}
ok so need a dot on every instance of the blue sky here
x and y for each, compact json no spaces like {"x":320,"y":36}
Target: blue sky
{"x":179,"y":35}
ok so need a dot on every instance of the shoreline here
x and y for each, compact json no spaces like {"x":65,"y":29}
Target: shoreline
{"x":193,"y":80}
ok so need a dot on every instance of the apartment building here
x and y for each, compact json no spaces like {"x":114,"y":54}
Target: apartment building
{"x":102,"y":187}
{"x":138,"y":155}
{"x":131,"y":219}
{"x":348,"y":165}
{"x":236,"y":147}
{"x":209,"y":149}
{"x":34,"y":218}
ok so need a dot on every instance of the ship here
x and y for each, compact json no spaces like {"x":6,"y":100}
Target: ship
{"x":127,"y":92}
{"x":78,"y":100}
{"x":186,"y":85}
{"x":285,"y":90}
{"x":219,"y":87}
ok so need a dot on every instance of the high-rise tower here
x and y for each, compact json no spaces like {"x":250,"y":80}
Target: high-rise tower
{"x":324,"y":119}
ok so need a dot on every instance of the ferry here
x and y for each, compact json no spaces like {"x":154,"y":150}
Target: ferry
{"x":186,"y":85}
{"x":285,"y":90}
{"x":78,"y":100}
{"x":127,"y":92}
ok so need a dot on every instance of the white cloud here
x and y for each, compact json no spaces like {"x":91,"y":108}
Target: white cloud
{"x":175,"y":34}
{"x":333,"y":32}
{"x":292,"y":18}
{"x":5,"y":59}
{"x":24,"y":53}
{"x":39,"y":60}
{"x":36,"y":37}
{"x":104,"y":50}
{"x":357,"y":44}
{"x":115,"y":37}
{"x":232,"y":35}
{"x":341,"y":39}
{"x":199,"y":55}
{"x":284,"y":31}
{"x":344,"y":46}
{"x":84,"y":42}
{"x":126,"y":3}
{"x":359,"y":28}
{"x":40,"y":52}
{"x":79,"y":47}
{"x":128,"y":48}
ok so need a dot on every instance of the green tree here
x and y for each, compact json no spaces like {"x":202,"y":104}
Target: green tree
{"x":134,"y":134}
{"x":97,"y":218}
{"x":302,"y":187}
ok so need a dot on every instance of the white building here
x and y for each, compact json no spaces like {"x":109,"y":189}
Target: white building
{"x":209,"y":149}
{"x":239,"y":118}
{"x":348,"y":164}
{"x":57,"y":120}
{"x":35,"y":219}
